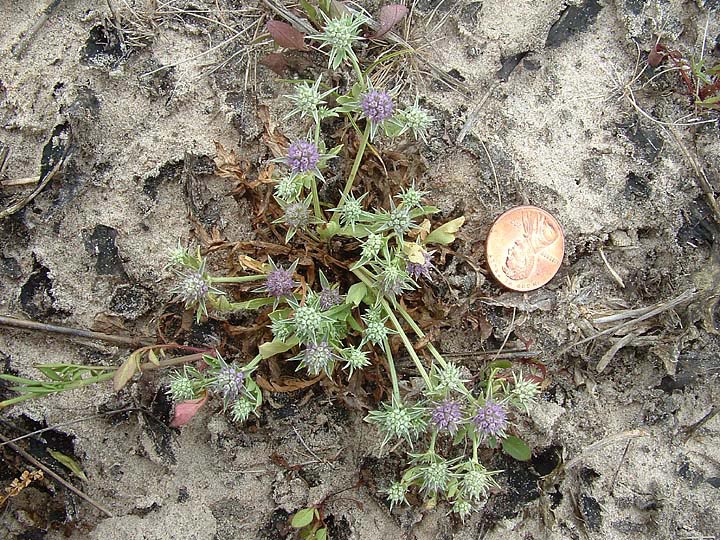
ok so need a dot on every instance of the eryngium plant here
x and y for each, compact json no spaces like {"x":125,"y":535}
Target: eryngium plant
{"x":345,"y":324}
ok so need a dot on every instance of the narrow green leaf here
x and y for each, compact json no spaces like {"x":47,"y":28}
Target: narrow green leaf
{"x":50,"y":373}
{"x":303,"y":518}
{"x":516,"y":448}
{"x":69,"y":463}
{"x":255,"y":303}
{"x":445,"y":233}
{"x":500,"y":364}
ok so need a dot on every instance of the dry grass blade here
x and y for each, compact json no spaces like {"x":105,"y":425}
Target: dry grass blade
{"x":686,"y":296}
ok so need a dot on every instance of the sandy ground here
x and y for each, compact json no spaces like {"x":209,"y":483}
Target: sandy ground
{"x":612,"y":455}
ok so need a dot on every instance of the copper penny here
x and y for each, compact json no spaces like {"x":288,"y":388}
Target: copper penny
{"x":525,"y":248}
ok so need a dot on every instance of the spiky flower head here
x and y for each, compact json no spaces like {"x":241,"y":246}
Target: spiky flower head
{"x":396,"y":494}
{"x":394,"y":279}
{"x":341,"y":34}
{"x":377,"y":106}
{"x":415,"y":119}
{"x":297,"y":215}
{"x":491,"y":419}
{"x":355,"y":358}
{"x":436,"y":475}
{"x":351,"y":211}
{"x":397,"y":420}
{"x":398,"y":220}
{"x":418,"y":270}
{"x":476,"y":481}
{"x":182,"y":387}
{"x":308,"y":321}
{"x":462,"y":507}
{"x":372,"y":246}
{"x":289,"y":188}
{"x":524,"y":392}
{"x":449,"y":378}
{"x":179,"y":256}
{"x":241,"y":409}
{"x":375,"y":330}
{"x":303,"y":156}
{"x":308,"y":100}
{"x":447,"y":416}
{"x":281,"y":329}
{"x":279,"y":282}
{"x":330,"y":297}
{"x":411,"y":197}
{"x":318,"y":357}
{"x":229,"y":381}
{"x":194,"y":289}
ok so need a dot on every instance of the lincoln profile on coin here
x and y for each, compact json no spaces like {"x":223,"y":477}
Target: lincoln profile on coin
{"x":537,"y":234}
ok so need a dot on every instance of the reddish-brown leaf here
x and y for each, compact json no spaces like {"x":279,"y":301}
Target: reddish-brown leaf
{"x":286,"y":36}
{"x":389,"y":17}
{"x":186,"y":410}
{"x":276,"y":62}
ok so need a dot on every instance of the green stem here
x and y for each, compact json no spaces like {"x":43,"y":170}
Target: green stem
{"x":433,"y":437}
{"x":353,"y":171}
{"x":253,"y":364}
{"x":476,"y":443}
{"x":316,"y":200}
{"x":393,"y":373}
{"x":408,"y":344}
{"x":358,"y":71}
{"x":238,"y":279}
{"x":430,"y":347}
{"x":69,"y":386}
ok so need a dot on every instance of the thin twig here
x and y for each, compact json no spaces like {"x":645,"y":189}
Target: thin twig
{"x":630,"y":434}
{"x":691,"y":429}
{"x":45,"y":14}
{"x":22,"y":324}
{"x":68,"y":423}
{"x":687,"y":296}
{"x":55,"y":476}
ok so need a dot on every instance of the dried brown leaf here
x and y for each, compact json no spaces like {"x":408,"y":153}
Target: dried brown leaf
{"x":276,"y":62}
{"x":228,"y":164}
{"x":286,"y":36}
{"x":125,"y":372}
{"x":389,"y":17}
{"x":286,"y":384}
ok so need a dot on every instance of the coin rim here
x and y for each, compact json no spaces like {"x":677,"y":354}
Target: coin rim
{"x":514,"y":209}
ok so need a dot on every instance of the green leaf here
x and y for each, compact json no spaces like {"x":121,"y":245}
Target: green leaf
{"x":255,"y":303}
{"x":445,"y":234}
{"x":69,"y":463}
{"x":516,"y":448}
{"x":423,"y":211}
{"x":355,"y":294}
{"x":321,"y":534}
{"x":50,"y":373}
{"x":303,"y":518}
{"x":500,"y":364}
{"x":274,"y":347}
{"x":310,"y":10}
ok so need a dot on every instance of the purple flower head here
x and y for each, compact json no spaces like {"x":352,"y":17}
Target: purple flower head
{"x":491,"y":419}
{"x":303,"y":156}
{"x":329,"y":297}
{"x":418,"y":270}
{"x":377,"y":106}
{"x":279,"y":282}
{"x":230,"y":382}
{"x":447,"y":416}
